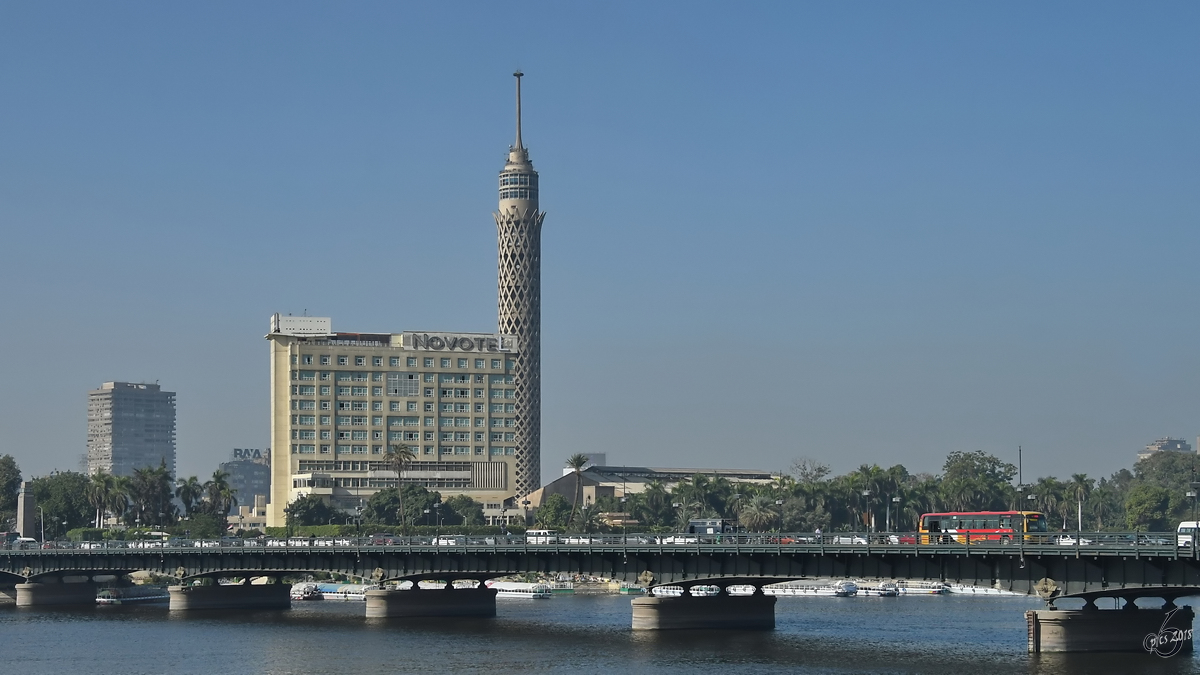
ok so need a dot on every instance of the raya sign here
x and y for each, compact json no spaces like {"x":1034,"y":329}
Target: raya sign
{"x":450,"y":342}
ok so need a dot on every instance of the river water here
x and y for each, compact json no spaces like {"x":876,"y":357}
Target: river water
{"x":565,"y":634}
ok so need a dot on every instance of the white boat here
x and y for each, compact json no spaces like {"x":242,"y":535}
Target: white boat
{"x":882,"y":589}
{"x":677,"y":591}
{"x":516,"y":589}
{"x":306,"y":592}
{"x":350,"y":592}
{"x":963,"y":589}
{"x":921,"y":587}
{"x":839,"y":589}
{"x":129,"y":594}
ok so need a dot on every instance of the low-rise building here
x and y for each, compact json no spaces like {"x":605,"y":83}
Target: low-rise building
{"x":1164,"y":445}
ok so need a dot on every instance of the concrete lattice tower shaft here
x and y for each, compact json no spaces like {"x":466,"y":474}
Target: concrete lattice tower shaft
{"x":519,"y":234}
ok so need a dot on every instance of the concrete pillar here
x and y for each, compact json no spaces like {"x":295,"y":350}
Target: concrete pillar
{"x":441,"y":602}
{"x":721,"y":611}
{"x":1166,"y":631}
{"x":47,"y":593}
{"x":241,"y":596}
{"x":27,"y":511}
{"x":8,"y":594}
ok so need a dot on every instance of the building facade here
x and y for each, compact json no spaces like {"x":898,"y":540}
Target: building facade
{"x":249,"y":472}
{"x":1165,"y":445}
{"x":130,"y":426}
{"x":339,"y":400}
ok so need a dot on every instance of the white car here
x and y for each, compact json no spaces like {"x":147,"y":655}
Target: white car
{"x":1068,"y":540}
{"x":848,"y":539}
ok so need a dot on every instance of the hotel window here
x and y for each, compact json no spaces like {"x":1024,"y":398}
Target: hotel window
{"x":304,"y":449}
{"x":429,"y":435}
{"x":508,"y":436}
{"x":478,"y":393}
{"x":359,"y":391}
{"x":325,"y":390}
{"x":428,"y":363}
{"x":377,"y":360}
{"x":377,"y":405}
{"x":343,"y":420}
{"x":293,"y":359}
{"x":360,"y":360}
{"x":447,"y":436}
{"x":358,"y":449}
{"x":511,"y":364}
{"x":377,"y":421}
{"x":343,"y":360}
{"x":428,"y":421}
{"x":479,"y":437}
{"x":306,"y":419}
{"x":344,"y":376}
{"x":360,"y":377}
{"x":343,"y":391}
{"x":429,"y":392}
{"x":462,"y":421}
{"x":306,"y":359}
{"x":479,"y":363}
{"x":359,"y":420}
{"x":326,"y":434}
{"x":497,"y":451}
{"x":345,"y":405}
{"x":403,"y":384}
{"x":480,"y":422}
{"x":412,"y":406}
{"x":462,"y":450}
{"x":497,"y":407}
{"x":479,"y":407}
{"x":325,"y":405}
{"x":496,"y":363}
{"x":394,"y":362}
{"x":462,"y":436}
{"x":447,"y":407}
{"x":324,"y":449}
{"x":509,"y":407}
{"x":445,"y":363}
{"x":462,"y":363}
{"x":377,"y":377}
{"x":326,"y":375}
{"x":306,"y":405}
{"x":508,"y":393}
{"x":462,"y":393}
{"x":324,"y":359}
{"x":358,"y":435}
{"x":479,"y":449}
{"x":497,"y":393}
{"x":395,"y":406}
{"x":325,"y":419}
{"x":446,"y":422}
{"x":377,"y":450}
{"x":304,"y":434}
{"x":377,"y":435}
{"x":462,"y":407}
{"x":429,"y":449}
{"x":479,"y":379}
{"x":508,"y":451}
{"x":497,"y":435}
{"x":343,"y":436}
{"x":497,"y":421}
{"x":377,"y":391}
{"x":358,"y":405}
{"x":429,"y":406}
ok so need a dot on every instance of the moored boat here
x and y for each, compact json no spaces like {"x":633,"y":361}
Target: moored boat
{"x":921,"y":587}
{"x":124,"y":595}
{"x":516,"y":589}
{"x":306,"y":592}
{"x":838,"y":589}
{"x":883,"y":589}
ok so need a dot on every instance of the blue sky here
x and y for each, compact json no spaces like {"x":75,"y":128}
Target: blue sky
{"x":857,"y":232}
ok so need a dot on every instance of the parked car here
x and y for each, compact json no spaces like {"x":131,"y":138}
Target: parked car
{"x":842,"y":540}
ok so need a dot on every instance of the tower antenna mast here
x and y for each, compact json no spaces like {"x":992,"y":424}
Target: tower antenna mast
{"x":518,"y":75}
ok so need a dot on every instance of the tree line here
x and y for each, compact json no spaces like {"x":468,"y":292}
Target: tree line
{"x":1151,"y":497}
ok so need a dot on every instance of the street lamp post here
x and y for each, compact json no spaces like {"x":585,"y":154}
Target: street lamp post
{"x":528,"y":520}
{"x":678,"y":506}
{"x":504,"y":520}
{"x":779,"y":507}
{"x":867,"y":499}
{"x":624,"y":519}
{"x":887,"y":525}
{"x":43,"y":522}
{"x":737,"y":520}
{"x":426,"y":517}
{"x":438,"y":509}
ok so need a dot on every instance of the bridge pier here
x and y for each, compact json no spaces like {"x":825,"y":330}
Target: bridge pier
{"x":8,"y":594}
{"x":241,"y":596}
{"x":756,"y":612}
{"x":1166,"y":631}
{"x":55,"y":592}
{"x":415,"y":602}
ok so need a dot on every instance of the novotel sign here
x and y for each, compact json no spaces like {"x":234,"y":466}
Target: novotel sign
{"x":440,"y":342}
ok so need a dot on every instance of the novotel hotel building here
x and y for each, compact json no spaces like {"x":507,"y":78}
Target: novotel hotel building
{"x":339,"y":400}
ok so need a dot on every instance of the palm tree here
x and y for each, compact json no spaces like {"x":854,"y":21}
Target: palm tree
{"x":399,"y":456}
{"x":1080,"y":488}
{"x":758,"y":513}
{"x":99,"y":494}
{"x":221,"y":497}
{"x":189,"y":492}
{"x":575,"y":463}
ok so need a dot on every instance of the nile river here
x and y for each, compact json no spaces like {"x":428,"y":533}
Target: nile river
{"x":565,"y":634}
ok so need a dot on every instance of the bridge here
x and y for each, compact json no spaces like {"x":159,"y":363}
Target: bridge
{"x":1124,"y":566}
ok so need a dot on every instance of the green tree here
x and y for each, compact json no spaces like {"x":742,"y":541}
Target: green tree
{"x":190,"y":493}
{"x":758,"y":514}
{"x":576,"y":463}
{"x":554,"y":512}
{"x":10,"y":485}
{"x":466,"y":511}
{"x":63,"y":497}
{"x":219,"y":495}
{"x":1146,"y":507}
{"x":398,"y":458}
{"x":310,"y":510}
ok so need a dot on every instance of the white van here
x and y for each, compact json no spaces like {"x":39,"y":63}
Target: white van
{"x":1185,"y":533}
{"x":541,"y":537}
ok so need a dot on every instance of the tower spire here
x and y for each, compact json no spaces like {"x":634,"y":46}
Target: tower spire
{"x":518,"y":75}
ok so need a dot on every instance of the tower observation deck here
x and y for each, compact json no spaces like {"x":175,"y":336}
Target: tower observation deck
{"x":519,"y":238}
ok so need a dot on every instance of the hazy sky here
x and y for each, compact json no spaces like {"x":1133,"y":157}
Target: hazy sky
{"x":858,"y":232}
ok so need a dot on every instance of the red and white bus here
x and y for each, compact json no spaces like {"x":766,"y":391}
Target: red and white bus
{"x":977,"y":527}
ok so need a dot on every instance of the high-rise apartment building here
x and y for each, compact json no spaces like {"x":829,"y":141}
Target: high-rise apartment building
{"x":249,"y":472}
{"x":339,"y":400}
{"x":468,"y":404}
{"x":130,"y":426}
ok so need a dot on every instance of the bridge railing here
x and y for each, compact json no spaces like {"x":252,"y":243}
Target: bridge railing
{"x":1150,"y":541}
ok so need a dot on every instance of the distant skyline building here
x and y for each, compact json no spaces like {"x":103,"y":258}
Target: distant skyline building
{"x":519,"y":235}
{"x":130,"y":426}
{"x":1165,"y":445}
{"x":249,"y":472}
